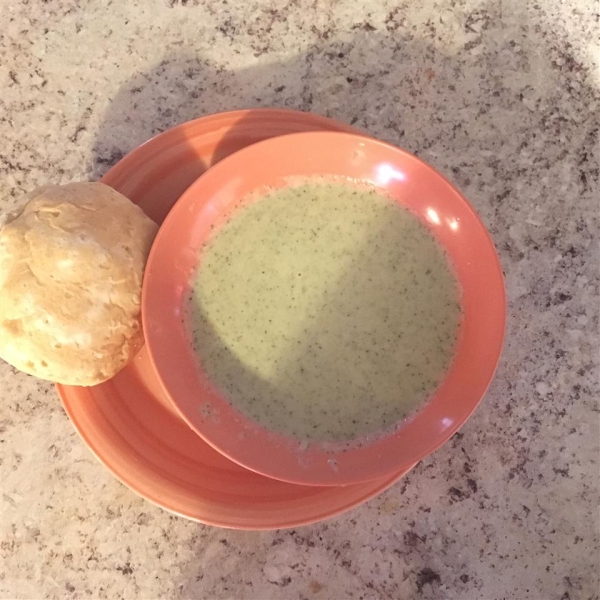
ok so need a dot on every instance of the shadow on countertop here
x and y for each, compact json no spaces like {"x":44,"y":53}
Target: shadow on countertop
{"x":508,"y":118}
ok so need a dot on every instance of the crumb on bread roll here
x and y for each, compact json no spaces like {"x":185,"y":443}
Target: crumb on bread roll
{"x":71,"y":267}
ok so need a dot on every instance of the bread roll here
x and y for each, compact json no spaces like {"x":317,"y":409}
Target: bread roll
{"x":71,"y":266}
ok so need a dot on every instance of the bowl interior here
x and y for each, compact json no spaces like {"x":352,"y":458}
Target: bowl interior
{"x":273,"y":163}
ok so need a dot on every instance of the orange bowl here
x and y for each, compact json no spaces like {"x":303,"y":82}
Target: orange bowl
{"x":209,"y":202}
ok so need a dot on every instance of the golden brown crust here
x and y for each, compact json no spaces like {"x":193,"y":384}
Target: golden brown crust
{"x":71,"y":267}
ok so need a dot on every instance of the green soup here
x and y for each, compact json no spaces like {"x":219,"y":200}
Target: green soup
{"x":324,"y":311}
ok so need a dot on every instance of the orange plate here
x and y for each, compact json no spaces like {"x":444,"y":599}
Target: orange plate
{"x":409,"y":181}
{"x":128,"y":422}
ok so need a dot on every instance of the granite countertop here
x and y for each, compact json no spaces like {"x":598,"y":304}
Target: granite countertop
{"x":502,"y":97}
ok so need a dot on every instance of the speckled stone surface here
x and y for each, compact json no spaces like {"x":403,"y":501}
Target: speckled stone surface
{"x":503,"y":98}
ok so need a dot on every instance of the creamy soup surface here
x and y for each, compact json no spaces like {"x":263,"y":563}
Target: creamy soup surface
{"x":324,"y":311}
